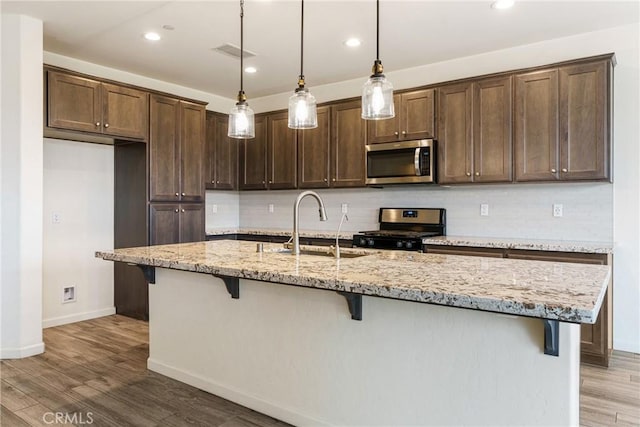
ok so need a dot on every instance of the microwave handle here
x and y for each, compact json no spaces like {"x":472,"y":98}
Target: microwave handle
{"x":416,"y":162}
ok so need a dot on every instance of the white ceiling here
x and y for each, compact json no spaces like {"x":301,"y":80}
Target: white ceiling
{"x":412,"y":33}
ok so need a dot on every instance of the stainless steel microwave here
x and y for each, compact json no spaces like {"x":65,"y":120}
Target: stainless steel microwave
{"x":402,"y":162}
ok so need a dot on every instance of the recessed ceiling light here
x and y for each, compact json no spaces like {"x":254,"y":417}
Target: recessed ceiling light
{"x":352,"y":42}
{"x":250,"y":70}
{"x":152,"y":36}
{"x":502,"y":4}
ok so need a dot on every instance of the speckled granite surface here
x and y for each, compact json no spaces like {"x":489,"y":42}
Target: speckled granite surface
{"x":527,"y":244}
{"x":562,"y":291}
{"x":278,"y":232}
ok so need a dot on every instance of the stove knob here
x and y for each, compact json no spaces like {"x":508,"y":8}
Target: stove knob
{"x":362,"y":241}
{"x":370,"y":242}
{"x":399,"y":244}
{"x":408,"y":245}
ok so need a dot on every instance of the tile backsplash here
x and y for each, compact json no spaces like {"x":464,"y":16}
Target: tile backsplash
{"x":515,"y":211}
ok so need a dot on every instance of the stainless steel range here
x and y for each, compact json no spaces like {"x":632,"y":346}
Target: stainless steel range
{"x":403,"y":229}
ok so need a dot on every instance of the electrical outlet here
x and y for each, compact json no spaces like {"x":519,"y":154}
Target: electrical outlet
{"x":68,"y":294}
{"x":56,"y":218}
{"x":270,"y":207}
{"x":557,"y":210}
{"x":484,"y":209}
{"x":214,"y":208}
{"x":345,"y":208}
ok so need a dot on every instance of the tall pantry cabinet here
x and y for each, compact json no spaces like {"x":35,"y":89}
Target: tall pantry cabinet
{"x":159,"y":192}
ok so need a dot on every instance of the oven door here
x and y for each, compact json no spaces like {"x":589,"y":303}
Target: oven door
{"x":401,"y":162}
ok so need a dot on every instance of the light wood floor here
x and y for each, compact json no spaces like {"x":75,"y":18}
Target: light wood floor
{"x":96,"y":371}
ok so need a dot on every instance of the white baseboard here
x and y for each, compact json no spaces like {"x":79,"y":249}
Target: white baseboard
{"x":236,"y":396}
{"x":78,"y":317}
{"x":22,"y":352}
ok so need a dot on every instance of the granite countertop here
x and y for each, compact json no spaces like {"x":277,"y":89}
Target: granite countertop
{"x":526,"y":244}
{"x":279,"y":232}
{"x":558,"y":291}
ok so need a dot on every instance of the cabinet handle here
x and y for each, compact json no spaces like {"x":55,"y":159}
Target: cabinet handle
{"x":477,"y":173}
{"x":396,"y":133}
{"x":97,"y":123}
{"x":333,"y":179}
{"x":177,"y":195}
{"x":270,"y":182}
{"x":183,"y":194}
{"x":106,"y":125}
{"x":176,"y":210}
{"x":263,"y":182}
{"x":217,"y":182}
{"x":213,"y":182}
{"x":182,"y":210}
{"x":553,"y":171}
{"x":404,"y":132}
{"x":468,"y":173}
{"x":325,"y":180}
{"x":564,"y":170}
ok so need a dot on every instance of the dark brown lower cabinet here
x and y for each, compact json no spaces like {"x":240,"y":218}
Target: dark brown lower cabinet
{"x":596,"y":341}
{"x":176,"y":223}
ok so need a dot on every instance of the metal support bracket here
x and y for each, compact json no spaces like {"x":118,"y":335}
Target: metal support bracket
{"x":232,"y":284}
{"x":149,"y":273}
{"x":551,"y":337}
{"x":355,"y":304}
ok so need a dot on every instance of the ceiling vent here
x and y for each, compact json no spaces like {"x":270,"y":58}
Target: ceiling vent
{"x":232,"y":50}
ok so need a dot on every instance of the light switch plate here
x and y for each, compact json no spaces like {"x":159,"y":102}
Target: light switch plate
{"x":56,"y":218}
{"x":270,"y":207}
{"x":214,"y":208}
{"x":345,"y":208}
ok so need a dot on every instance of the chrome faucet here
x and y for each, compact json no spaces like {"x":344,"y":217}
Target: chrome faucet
{"x":296,"y":217}
{"x":335,"y":250}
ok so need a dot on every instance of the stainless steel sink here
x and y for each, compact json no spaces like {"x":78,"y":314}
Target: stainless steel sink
{"x":315,"y":253}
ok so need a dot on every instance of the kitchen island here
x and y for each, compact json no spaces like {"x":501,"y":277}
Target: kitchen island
{"x":473,"y":354}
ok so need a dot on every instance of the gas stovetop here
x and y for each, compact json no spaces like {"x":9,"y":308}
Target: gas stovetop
{"x":403,"y":228}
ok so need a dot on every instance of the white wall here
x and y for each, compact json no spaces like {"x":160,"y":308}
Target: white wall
{"x":21,"y":200}
{"x":514,"y":210}
{"x":622,"y":211}
{"x":78,"y":187}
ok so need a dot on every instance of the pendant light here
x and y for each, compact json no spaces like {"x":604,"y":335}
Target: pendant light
{"x":241,"y":119}
{"x":377,"y":93}
{"x":302,"y":105}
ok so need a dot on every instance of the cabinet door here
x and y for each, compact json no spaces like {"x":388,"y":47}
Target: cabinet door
{"x":417,"y":114}
{"x":192,"y":222}
{"x":282,"y":152}
{"x":164,"y":223}
{"x":584,"y":126}
{"x":222,"y":154}
{"x":253,"y":158}
{"x":455,"y":151}
{"x":192,"y":138}
{"x":536,"y":126}
{"x":314,"y":148}
{"x":387,"y":130}
{"x":164,"y":155}
{"x":74,"y":103}
{"x":492,"y":130}
{"x":125,"y":112}
{"x":348,"y":138}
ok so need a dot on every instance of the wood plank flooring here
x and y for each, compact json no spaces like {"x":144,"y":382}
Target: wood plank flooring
{"x":94,"y":372}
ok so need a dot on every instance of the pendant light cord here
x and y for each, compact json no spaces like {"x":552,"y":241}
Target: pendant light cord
{"x":302,"y":40}
{"x":241,"y":45}
{"x":377,"y":30}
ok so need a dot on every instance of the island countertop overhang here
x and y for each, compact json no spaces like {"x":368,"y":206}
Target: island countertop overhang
{"x":547,"y":290}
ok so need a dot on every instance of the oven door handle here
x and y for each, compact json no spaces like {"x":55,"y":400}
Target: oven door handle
{"x":416,"y":161}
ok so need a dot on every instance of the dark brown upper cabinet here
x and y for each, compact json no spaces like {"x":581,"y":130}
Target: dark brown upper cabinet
{"x":474,"y":127}
{"x":314,"y":152}
{"x":414,"y":119}
{"x":281,"y":152}
{"x":348,"y":139}
{"x":253,"y":158}
{"x":176,"y":150}
{"x":81,"y":104}
{"x":562,"y":123}
{"x":222,"y":154}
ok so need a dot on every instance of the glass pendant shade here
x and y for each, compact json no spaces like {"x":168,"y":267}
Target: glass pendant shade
{"x":241,"y":122}
{"x":377,"y":98}
{"x":302,"y":110}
